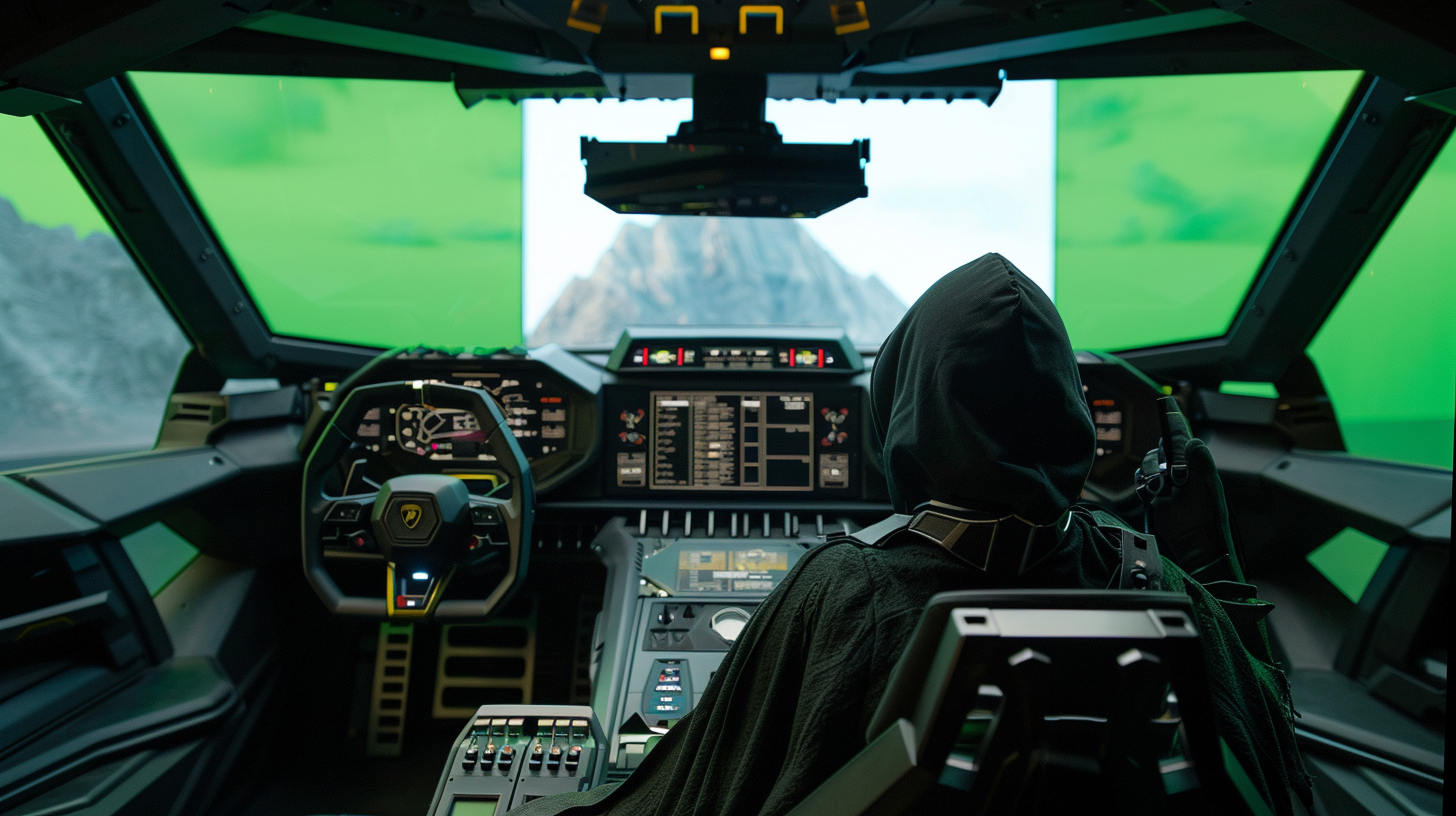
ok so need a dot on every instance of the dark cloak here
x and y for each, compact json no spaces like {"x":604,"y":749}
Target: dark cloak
{"x":977,"y":403}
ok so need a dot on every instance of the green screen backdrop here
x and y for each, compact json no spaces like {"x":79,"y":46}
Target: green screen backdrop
{"x":38,"y":183}
{"x":362,"y":211}
{"x":1169,"y":191}
{"x":1387,"y":353}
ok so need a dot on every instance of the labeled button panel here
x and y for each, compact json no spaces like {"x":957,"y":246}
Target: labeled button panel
{"x":512,"y":754}
{"x":695,"y":626}
{"x":346,"y":529}
{"x":669,"y":692}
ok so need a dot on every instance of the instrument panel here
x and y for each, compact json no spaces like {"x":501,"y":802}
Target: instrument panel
{"x":549,"y":403}
{"x":677,"y":434}
{"x":734,"y":439}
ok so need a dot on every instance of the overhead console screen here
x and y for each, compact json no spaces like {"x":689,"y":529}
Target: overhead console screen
{"x":749,"y":440}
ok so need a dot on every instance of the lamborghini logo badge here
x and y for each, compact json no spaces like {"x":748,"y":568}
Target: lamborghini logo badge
{"x":410,"y":513}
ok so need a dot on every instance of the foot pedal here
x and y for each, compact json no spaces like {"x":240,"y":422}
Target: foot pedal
{"x":390,"y":691}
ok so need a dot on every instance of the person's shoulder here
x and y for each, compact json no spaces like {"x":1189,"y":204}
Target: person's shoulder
{"x":835,"y":556}
{"x":835,"y":568}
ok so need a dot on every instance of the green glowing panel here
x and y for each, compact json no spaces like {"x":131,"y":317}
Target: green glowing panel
{"x":363,"y":211}
{"x":39,"y":184}
{"x":1349,"y":561}
{"x":1248,"y":389}
{"x":473,"y":807}
{"x":1387,"y":353}
{"x":158,"y":555}
{"x":1169,"y":192}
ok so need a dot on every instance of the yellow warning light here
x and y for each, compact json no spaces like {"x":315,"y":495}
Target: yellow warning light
{"x":719,"y":53}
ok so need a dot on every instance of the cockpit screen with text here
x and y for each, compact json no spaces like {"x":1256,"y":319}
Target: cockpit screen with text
{"x":732,"y":440}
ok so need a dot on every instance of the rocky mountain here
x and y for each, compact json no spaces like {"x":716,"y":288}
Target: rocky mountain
{"x":705,"y":271}
{"x":87,"y":351}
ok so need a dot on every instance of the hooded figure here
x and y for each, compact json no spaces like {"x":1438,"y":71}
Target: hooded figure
{"x":978,"y":408}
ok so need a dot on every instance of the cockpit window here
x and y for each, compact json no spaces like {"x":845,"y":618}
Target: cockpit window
{"x":362,"y":211}
{"x":87,"y":350}
{"x":1387,"y":353}
{"x":1170,"y":191}
{"x":947,"y":183}
{"x":382,"y":213}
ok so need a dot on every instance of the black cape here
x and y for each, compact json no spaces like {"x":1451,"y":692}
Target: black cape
{"x":977,"y":402}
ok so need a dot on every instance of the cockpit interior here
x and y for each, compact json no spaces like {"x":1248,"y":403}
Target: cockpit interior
{"x":405,"y":405}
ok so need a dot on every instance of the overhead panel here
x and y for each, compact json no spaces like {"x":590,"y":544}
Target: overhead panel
{"x":47,"y":59}
{"x":430,"y":42}
{"x":928,"y":51}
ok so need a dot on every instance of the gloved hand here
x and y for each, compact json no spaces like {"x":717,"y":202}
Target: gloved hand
{"x":1183,"y":497}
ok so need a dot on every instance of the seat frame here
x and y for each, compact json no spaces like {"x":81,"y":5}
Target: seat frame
{"x":1102,"y":661}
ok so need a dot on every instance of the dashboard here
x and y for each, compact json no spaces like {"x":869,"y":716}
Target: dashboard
{"x":549,"y":399}
{"x":696,"y":467}
{"x":678,"y":416}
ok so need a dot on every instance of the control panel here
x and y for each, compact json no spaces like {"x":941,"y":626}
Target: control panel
{"x":805,"y":351}
{"x":669,"y":689}
{"x":510,"y":754}
{"x":679,"y":644}
{"x":789,"y":440}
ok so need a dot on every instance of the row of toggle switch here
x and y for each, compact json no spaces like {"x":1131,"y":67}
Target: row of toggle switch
{"x":564,"y":741}
{"x":491,"y":757}
{"x":737,"y":524}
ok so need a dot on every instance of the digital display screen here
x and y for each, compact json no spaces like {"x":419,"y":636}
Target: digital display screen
{"x":474,"y":807}
{"x":735,"y":357}
{"x":730,"y":570}
{"x":536,"y":408}
{"x":731,"y":441}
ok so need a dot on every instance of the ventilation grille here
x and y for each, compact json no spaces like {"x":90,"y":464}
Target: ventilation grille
{"x":587,"y":608}
{"x":615,"y":774}
{"x":564,"y":536}
{"x":487,"y":663}
{"x":390,"y":693}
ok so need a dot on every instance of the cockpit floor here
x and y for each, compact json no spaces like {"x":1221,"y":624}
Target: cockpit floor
{"x":367,"y":786}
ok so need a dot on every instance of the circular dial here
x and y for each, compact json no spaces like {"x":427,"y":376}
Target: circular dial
{"x":729,"y":622}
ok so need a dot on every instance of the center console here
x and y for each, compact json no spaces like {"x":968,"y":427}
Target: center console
{"x":723,"y":461}
{"x":508,"y":755}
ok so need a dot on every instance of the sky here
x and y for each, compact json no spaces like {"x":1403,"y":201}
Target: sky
{"x":948,"y":183}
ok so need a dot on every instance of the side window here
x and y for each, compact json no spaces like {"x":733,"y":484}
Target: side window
{"x":1387,"y":353}
{"x":87,"y":350}
{"x":1169,"y":190}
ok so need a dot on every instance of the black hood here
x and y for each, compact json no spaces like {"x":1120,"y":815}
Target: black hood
{"x":976,"y":399}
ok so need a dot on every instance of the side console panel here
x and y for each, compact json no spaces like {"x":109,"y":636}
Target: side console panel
{"x":508,"y":755}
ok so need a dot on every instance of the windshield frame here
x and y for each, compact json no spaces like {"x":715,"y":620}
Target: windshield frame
{"x":206,"y":293}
